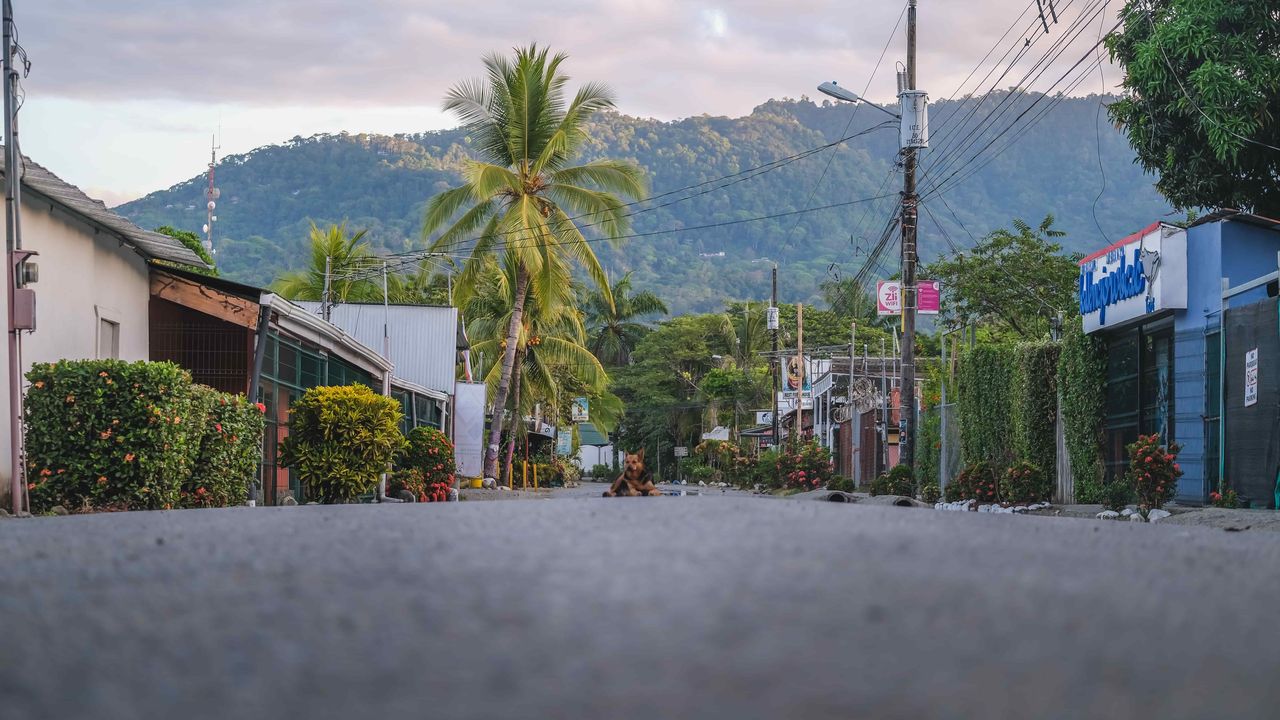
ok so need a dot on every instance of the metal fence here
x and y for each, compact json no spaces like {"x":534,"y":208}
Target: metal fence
{"x":949,"y":454}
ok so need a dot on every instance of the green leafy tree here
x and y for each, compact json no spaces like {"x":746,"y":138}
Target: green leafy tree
{"x":348,"y":260}
{"x":614,"y":327}
{"x":1014,"y":280}
{"x":192,"y":243}
{"x":523,"y":196}
{"x":1202,"y":82}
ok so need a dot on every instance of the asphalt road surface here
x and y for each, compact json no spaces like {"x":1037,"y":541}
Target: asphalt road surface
{"x":632,"y":608}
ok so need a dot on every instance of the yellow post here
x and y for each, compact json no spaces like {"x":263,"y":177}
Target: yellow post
{"x":524,"y":474}
{"x":535,"y":476}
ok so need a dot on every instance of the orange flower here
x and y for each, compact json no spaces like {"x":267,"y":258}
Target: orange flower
{"x":46,"y":472}
{"x":102,"y":479}
{"x":102,"y":374}
{"x":39,"y":384}
{"x":128,"y":457}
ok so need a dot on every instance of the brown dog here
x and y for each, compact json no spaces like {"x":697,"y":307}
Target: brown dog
{"x":633,"y":481}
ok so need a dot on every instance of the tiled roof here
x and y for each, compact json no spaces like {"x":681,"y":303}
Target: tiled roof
{"x":152,"y":245}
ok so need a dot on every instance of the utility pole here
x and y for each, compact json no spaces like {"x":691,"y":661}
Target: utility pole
{"x":776,"y":362}
{"x":799,"y":434}
{"x":907,"y":393}
{"x":325,"y":298}
{"x":13,"y":245}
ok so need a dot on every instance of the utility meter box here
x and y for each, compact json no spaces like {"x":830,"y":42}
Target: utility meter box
{"x":914,"y":107}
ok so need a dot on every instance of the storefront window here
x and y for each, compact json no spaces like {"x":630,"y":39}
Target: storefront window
{"x":1140,"y":397}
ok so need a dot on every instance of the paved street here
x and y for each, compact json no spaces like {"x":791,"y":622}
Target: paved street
{"x":632,"y":608}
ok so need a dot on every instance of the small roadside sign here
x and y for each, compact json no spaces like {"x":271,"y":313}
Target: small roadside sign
{"x":682,"y":451}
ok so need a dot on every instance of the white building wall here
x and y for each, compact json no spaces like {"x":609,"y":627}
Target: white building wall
{"x":85,"y":277}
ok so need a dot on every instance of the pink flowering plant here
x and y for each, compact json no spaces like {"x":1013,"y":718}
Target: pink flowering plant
{"x":807,"y":468}
{"x":1025,"y":483}
{"x":1153,"y":470}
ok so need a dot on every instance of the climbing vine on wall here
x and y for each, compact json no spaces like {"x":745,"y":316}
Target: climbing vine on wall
{"x":1082,"y":378}
{"x":1035,"y":405}
{"x":985,"y":403}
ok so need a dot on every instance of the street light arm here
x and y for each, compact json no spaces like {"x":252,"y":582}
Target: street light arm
{"x":831,"y":89}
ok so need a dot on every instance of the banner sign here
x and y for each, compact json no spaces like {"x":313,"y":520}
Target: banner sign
{"x":1251,"y":377}
{"x":468,"y":428}
{"x":564,"y":441}
{"x":580,"y":414}
{"x":889,"y":297}
{"x":1142,"y":274}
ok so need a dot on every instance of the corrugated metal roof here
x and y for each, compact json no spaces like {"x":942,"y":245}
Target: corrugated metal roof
{"x":152,"y":245}
{"x":588,"y":434}
{"x":424,"y":338}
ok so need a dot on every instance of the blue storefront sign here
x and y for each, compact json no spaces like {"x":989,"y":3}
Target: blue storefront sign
{"x":1143,"y":274}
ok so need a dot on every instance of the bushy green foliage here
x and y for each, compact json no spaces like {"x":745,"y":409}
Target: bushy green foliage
{"x":1116,"y":494}
{"x":1201,"y":97}
{"x":930,"y":493}
{"x":929,"y":432}
{"x":380,"y":181}
{"x":986,"y":402}
{"x":1082,"y":378}
{"x":842,"y":484}
{"x":230,"y":449}
{"x":1035,"y":404}
{"x":1025,"y":483}
{"x":115,"y":435}
{"x":1153,"y":470}
{"x":600,"y":471}
{"x":340,"y":440}
{"x":898,"y":481}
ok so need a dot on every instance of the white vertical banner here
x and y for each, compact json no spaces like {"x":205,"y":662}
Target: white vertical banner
{"x":1251,"y":377}
{"x":468,"y":439}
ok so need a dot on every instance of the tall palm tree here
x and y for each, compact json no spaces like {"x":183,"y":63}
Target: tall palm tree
{"x":613,"y":326}
{"x":518,"y":196}
{"x":551,"y":338}
{"x":348,"y":259}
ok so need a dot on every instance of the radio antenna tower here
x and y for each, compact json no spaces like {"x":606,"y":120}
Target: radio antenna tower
{"x":211,"y":196}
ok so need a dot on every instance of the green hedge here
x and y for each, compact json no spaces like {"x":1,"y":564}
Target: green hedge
{"x":986,"y":400}
{"x":115,"y":435}
{"x":1082,"y":378}
{"x":1035,"y":405}
{"x":230,"y":449}
{"x":341,"y":439}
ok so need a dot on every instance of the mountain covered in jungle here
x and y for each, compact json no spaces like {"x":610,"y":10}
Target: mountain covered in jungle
{"x":711,"y":179}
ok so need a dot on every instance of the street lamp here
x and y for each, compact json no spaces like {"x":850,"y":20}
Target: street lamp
{"x":831,"y":89}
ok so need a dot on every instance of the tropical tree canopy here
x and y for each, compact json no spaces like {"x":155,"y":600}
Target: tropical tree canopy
{"x":523,"y":197}
{"x":613,"y":322}
{"x":1202,"y":102}
{"x":1016,"y":280}
{"x":348,"y":261}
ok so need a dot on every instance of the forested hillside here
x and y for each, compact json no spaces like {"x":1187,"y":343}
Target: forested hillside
{"x":380,"y":183}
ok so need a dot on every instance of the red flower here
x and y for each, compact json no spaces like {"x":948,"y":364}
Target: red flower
{"x":1148,"y":458}
{"x":261,"y":408}
{"x":218,"y":426}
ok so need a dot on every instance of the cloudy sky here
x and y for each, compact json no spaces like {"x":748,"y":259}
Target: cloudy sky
{"x":124,"y":96}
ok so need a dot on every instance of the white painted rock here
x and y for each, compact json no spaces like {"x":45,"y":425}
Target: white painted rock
{"x":702,"y":483}
{"x":1157,"y":515}
{"x":1137,"y":517}
{"x":1108,"y":515}
{"x":1127,"y":512}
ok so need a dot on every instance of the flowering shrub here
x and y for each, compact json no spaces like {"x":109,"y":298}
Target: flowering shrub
{"x":1153,"y":471}
{"x":230,"y":448}
{"x":415,"y":483}
{"x":1228,"y":499}
{"x":115,"y":435}
{"x":975,"y":482}
{"x":808,"y":469}
{"x":340,"y":441}
{"x":431,"y":453}
{"x":1025,"y":483}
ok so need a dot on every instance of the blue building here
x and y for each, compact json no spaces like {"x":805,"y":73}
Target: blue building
{"x":1156,"y":298}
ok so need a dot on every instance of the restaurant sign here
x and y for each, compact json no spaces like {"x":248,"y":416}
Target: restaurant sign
{"x":1141,"y":275}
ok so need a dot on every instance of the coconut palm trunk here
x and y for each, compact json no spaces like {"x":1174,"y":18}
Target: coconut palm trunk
{"x":504,"y":379}
{"x":515,"y":424}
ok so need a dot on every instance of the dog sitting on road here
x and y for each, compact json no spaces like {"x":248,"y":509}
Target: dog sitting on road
{"x":633,"y":480}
